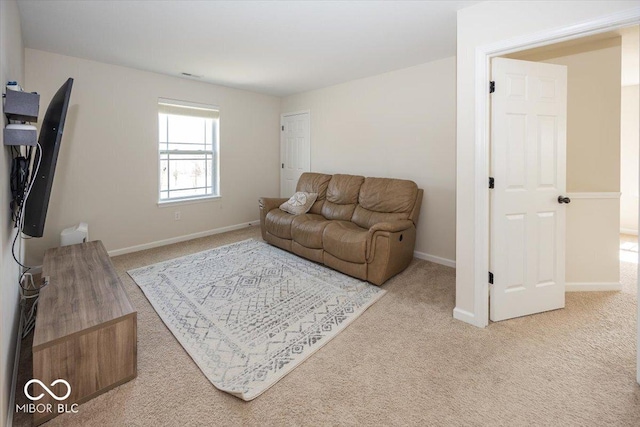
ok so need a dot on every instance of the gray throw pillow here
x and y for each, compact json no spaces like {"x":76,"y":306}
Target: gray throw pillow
{"x":299,"y":203}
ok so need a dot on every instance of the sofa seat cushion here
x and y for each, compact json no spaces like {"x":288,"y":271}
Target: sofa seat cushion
{"x":346,"y":241}
{"x":307,"y":230}
{"x":278,"y":223}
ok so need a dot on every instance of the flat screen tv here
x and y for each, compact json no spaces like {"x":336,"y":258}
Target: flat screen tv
{"x":35,"y":208}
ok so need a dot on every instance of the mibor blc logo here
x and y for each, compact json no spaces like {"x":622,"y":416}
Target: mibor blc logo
{"x":52,"y":394}
{"x":40,"y":408}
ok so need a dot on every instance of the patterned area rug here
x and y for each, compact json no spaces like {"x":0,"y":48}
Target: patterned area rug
{"x":248,"y":313}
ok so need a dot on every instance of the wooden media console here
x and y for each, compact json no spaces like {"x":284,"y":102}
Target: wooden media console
{"x":86,"y":328}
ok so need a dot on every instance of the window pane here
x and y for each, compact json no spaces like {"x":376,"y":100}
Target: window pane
{"x":209,"y":130}
{"x":212,"y":175}
{"x":164,"y":175}
{"x":186,"y":129}
{"x":188,"y":156}
{"x":162,"y":130}
{"x":187,"y":173}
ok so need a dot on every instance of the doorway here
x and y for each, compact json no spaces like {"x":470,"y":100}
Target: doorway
{"x":481,"y":199}
{"x":629,"y":133}
{"x":588,"y":176}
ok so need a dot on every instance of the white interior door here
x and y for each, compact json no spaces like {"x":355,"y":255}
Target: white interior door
{"x":528,"y":162}
{"x":295,"y":151}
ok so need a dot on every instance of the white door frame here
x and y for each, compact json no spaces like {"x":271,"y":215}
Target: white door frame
{"x":282,"y":116}
{"x":483,"y":57}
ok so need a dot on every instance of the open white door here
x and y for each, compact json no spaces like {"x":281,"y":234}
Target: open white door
{"x":528,"y":164}
{"x":295,"y":151}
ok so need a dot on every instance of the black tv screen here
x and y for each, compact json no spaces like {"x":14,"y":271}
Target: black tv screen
{"x":35,"y":208}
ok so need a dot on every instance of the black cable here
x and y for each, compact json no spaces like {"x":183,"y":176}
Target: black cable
{"x":19,"y":224}
{"x":13,"y":252}
{"x":26,"y":191}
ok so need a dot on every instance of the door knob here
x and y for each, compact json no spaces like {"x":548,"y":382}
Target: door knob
{"x":563,"y":199}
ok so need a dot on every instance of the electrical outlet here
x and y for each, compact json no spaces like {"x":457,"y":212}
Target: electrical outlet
{"x":177,"y":215}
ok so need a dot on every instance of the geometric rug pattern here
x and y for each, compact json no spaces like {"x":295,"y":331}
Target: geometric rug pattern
{"x":248,"y":313}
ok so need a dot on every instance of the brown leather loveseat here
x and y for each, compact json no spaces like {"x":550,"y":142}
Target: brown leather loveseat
{"x":363,"y":227}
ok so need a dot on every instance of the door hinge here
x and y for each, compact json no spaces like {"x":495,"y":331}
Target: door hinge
{"x":490,"y":278}
{"x":492,"y":86}
{"x":283,"y":128}
{"x":283,"y":166}
{"x":492,"y":182}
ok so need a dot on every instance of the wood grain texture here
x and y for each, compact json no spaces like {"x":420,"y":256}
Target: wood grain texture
{"x":84,"y":291}
{"x":92,"y":363}
{"x":86,"y":329}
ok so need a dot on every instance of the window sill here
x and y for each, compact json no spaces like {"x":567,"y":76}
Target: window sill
{"x":169,"y":203}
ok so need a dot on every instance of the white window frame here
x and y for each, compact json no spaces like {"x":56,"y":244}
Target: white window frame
{"x":215,"y":154}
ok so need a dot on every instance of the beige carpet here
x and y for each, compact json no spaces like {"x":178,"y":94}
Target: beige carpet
{"x":405,"y":361}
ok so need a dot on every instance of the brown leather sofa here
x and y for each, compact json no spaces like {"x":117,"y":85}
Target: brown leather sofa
{"x":363,"y":227}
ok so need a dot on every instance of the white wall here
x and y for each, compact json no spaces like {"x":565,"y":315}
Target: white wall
{"x":593,"y":117}
{"x":593,"y":164}
{"x":107,"y":173}
{"x":593,"y":243}
{"x":399,"y":124}
{"x":11,"y":68}
{"x":476,"y":28}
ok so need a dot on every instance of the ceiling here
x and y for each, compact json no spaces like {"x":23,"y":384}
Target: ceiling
{"x":273,"y":47}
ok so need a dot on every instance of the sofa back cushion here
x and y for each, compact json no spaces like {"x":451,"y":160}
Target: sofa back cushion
{"x":342,"y":196}
{"x":384,"y":199}
{"x":310,"y":182}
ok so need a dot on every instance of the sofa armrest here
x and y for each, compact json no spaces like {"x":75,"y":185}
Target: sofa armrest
{"x":387,"y":229}
{"x":268,"y":203}
{"x":389,"y":249}
{"x":391,"y":226}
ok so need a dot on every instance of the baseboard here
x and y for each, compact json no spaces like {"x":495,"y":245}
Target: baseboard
{"x":629,"y":231}
{"x":179,"y":239}
{"x":464,"y":315}
{"x":592,"y":287}
{"x":438,"y":260}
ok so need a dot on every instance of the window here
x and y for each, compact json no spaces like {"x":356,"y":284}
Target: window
{"x":188,"y":147}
